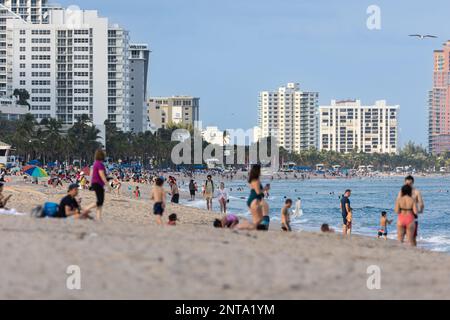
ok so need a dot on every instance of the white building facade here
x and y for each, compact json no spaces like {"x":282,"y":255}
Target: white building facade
{"x":347,"y":126}
{"x":70,"y":67}
{"x":290,"y":115}
{"x":30,"y":11}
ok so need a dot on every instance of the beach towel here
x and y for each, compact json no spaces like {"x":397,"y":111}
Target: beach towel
{"x":10,"y":212}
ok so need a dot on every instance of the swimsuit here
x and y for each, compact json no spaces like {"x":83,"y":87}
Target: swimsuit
{"x":231,"y":219}
{"x":253,"y":196}
{"x":158,"y":209}
{"x":405,"y":220}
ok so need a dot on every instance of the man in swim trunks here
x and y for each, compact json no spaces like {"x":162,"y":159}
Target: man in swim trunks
{"x":417,"y":196}
{"x":286,"y":217}
{"x":345,"y":209}
{"x":208,"y":192}
{"x":158,"y":195}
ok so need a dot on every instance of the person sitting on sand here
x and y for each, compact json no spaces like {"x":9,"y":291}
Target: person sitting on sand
{"x":3,"y":200}
{"x":69,"y":206}
{"x":326,"y":228}
{"x":406,"y":208}
{"x":384,"y":222}
{"x":229,"y":221}
{"x":158,"y":195}
{"x":286,"y":217}
{"x":173,"y":220}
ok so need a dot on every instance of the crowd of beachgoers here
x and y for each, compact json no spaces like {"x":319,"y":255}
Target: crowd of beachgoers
{"x":408,"y":206}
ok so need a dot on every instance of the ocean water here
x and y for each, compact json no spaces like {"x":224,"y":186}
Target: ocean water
{"x":370,"y":196}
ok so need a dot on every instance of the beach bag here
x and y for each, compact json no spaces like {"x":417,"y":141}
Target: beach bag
{"x":50,"y":209}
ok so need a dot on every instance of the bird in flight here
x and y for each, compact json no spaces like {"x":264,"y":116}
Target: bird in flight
{"x":422,"y":36}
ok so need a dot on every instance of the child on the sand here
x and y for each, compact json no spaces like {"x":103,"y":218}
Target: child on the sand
{"x":384,"y":222}
{"x":285,"y":216}
{"x":173,"y":220}
{"x":158,"y":195}
{"x":137,"y":192}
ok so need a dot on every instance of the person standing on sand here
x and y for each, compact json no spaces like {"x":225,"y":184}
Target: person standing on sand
{"x":208,"y":192}
{"x":158,"y":195}
{"x":192,"y":189}
{"x":417,"y":196}
{"x":223,"y":198}
{"x":406,"y":208}
{"x":286,"y":217}
{"x":255,"y":202}
{"x":345,"y":209}
{"x":98,"y":182}
{"x":174,"y":190}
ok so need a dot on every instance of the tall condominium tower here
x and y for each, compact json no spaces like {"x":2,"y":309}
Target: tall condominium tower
{"x":30,"y":11}
{"x":347,"y":126}
{"x":439,"y":103}
{"x":72,"y":65}
{"x":290,"y":115}
{"x":139,"y":60}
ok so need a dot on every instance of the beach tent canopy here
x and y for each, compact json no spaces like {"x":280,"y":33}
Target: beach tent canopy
{"x":4,"y":145}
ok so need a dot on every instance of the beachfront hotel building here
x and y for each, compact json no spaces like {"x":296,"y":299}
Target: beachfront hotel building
{"x":176,"y":110}
{"x":139,"y":61}
{"x":347,"y":126}
{"x":30,"y":11}
{"x":290,"y":115}
{"x":439,"y":103}
{"x":73,"y":62}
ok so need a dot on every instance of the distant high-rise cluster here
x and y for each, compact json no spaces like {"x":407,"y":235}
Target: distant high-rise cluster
{"x":72,"y":62}
{"x":439,"y":103}
{"x":294,"y":117}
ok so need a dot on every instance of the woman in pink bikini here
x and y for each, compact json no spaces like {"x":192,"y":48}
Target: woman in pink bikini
{"x":406,"y":208}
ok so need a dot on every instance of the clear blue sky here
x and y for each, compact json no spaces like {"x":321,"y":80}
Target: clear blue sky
{"x":226,"y":51}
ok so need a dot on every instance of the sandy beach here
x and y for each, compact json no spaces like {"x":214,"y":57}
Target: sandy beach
{"x":128,"y":257}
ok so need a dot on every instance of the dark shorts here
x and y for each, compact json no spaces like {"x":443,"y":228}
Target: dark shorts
{"x":264,"y":225}
{"x":286,"y":228}
{"x":344,"y":219}
{"x":382,"y":233}
{"x":158,"y":209}
{"x":175,"y":198}
{"x":99,"y":193}
{"x":192,"y":192}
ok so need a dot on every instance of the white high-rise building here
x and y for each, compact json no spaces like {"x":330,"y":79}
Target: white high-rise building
{"x":347,"y":126}
{"x":290,"y":115}
{"x":30,"y":11}
{"x":73,"y":65}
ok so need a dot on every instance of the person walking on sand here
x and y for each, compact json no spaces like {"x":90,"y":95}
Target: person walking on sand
{"x":98,"y":183}
{"x":223,"y":198}
{"x":417,"y":196}
{"x":208,"y":192}
{"x":345,"y":209}
{"x":406,"y":208}
{"x":174,"y":190}
{"x":158,"y":195}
